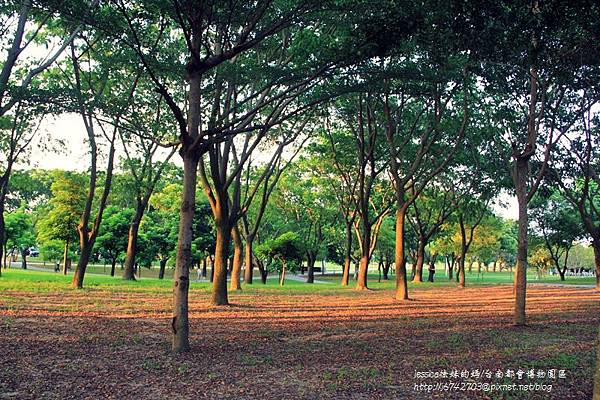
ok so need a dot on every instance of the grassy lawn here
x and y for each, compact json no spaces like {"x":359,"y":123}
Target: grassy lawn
{"x":300,"y":341}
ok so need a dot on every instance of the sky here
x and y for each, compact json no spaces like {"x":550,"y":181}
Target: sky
{"x":71,"y":154}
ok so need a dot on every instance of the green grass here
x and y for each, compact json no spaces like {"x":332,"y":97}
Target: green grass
{"x":40,"y":281}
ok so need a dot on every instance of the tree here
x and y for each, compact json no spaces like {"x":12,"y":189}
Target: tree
{"x":111,"y":242}
{"x":66,"y":205}
{"x":19,"y":234}
{"x":285,"y":249}
{"x":558,"y":224}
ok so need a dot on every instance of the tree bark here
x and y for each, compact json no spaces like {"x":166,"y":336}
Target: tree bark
{"x":223,"y":240}
{"x":596,"y":247}
{"x":132,"y":238}
{"x":113,"y":264}
{"x":311,"y":259}
{"x":24,"y":259}
{"x":236,"y":268}
{"x":418,"y":276}
{"x":161,"y":268}
{"x":85,"y":248}
{"x":363,"y":269}
{"x":181,"y":276}
{"x":461,"y":272}
{"x":66,"y":257}
{"x":400,"y":259}
{"x":520,"y":284}
{"x":248,"y":258}
{"x":282,"y":276}
{"x":347,"y":255}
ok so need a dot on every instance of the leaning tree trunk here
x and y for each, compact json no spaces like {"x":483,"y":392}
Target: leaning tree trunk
{"x":282,"y":275}
{"x":84,"y":257}
{"x":223,"y":240}
{"x":183,"y":261}
{"x":401,"y":281}
{"x":347,"y":255}
{"x":161,"y":269}
{"x":132,"y":239}
{"x":248,"y":257}
{"x":236,"y":268}
{"x":311,"y":259}
{"x":418,"y":275}
{"x":66,"y":257}
{"x":521,"y":268}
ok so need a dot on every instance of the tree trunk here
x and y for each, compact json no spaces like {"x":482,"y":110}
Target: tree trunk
{"x":401,"y":281}
{"x":311,"y":259}
{"x":347,"y":255}
{"x":84,"y":259}
{"x":596,"y":247}
{"x":113,"y":264}
{"x":132,"y":238}
{"x":248,"y":258}
{"x":461,"y":271}
{"x":418,"y":275}
{"x":471,"y":262}
{"x":161,"y":268}
{"x":386,"y":267}
{"x":219,"y":293}
{"x":520,"y":284}
{"x":236,"y":268}
{"x":282,"y":275}
{"x":363,"y":269}
{"x":66,"y":258}
{"x":181,"y":276}
{"x":204,"y":267}
{"x":24,"y":259}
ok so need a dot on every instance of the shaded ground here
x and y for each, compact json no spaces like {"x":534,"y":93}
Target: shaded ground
{"x":271,"y":344}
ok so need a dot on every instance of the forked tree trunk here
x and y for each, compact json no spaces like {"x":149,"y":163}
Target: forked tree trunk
{"x":347,"y":255}
{"x":418,"y":275}
{"x":84,"y":258}
{"x":401,"y":281}
{"x":248,"y":257}
{"x":236,"y":268}
{"x":132,"y":239}
{"x":181,"y":276}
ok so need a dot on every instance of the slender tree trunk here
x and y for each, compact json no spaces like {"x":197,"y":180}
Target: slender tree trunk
{"x":132,"y":239}
{"x":223,"y":240}
{"x":401,"y":281}
{"x":418,"y":276}
{"x":161,"y":268}
{"x":386,"y":267}
{"x":450,"y":267}
{"x":311,"y":259}
{"x":66,"y":257}
{"x":461,"y":270}
{"x":471,"y":261}
{"x":248,"y":258}
{"x":521,"y":269}
{"x":596,"y":247}
{"x":236,"y":268}
{"x":347,"y":255}
{"x":113,"y":264}
{"x":363,"y":269}
{"x":24,"y":259}
{"x":204,"y":267}
{"x":282,"y":275}
{"x":183,"y":261}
